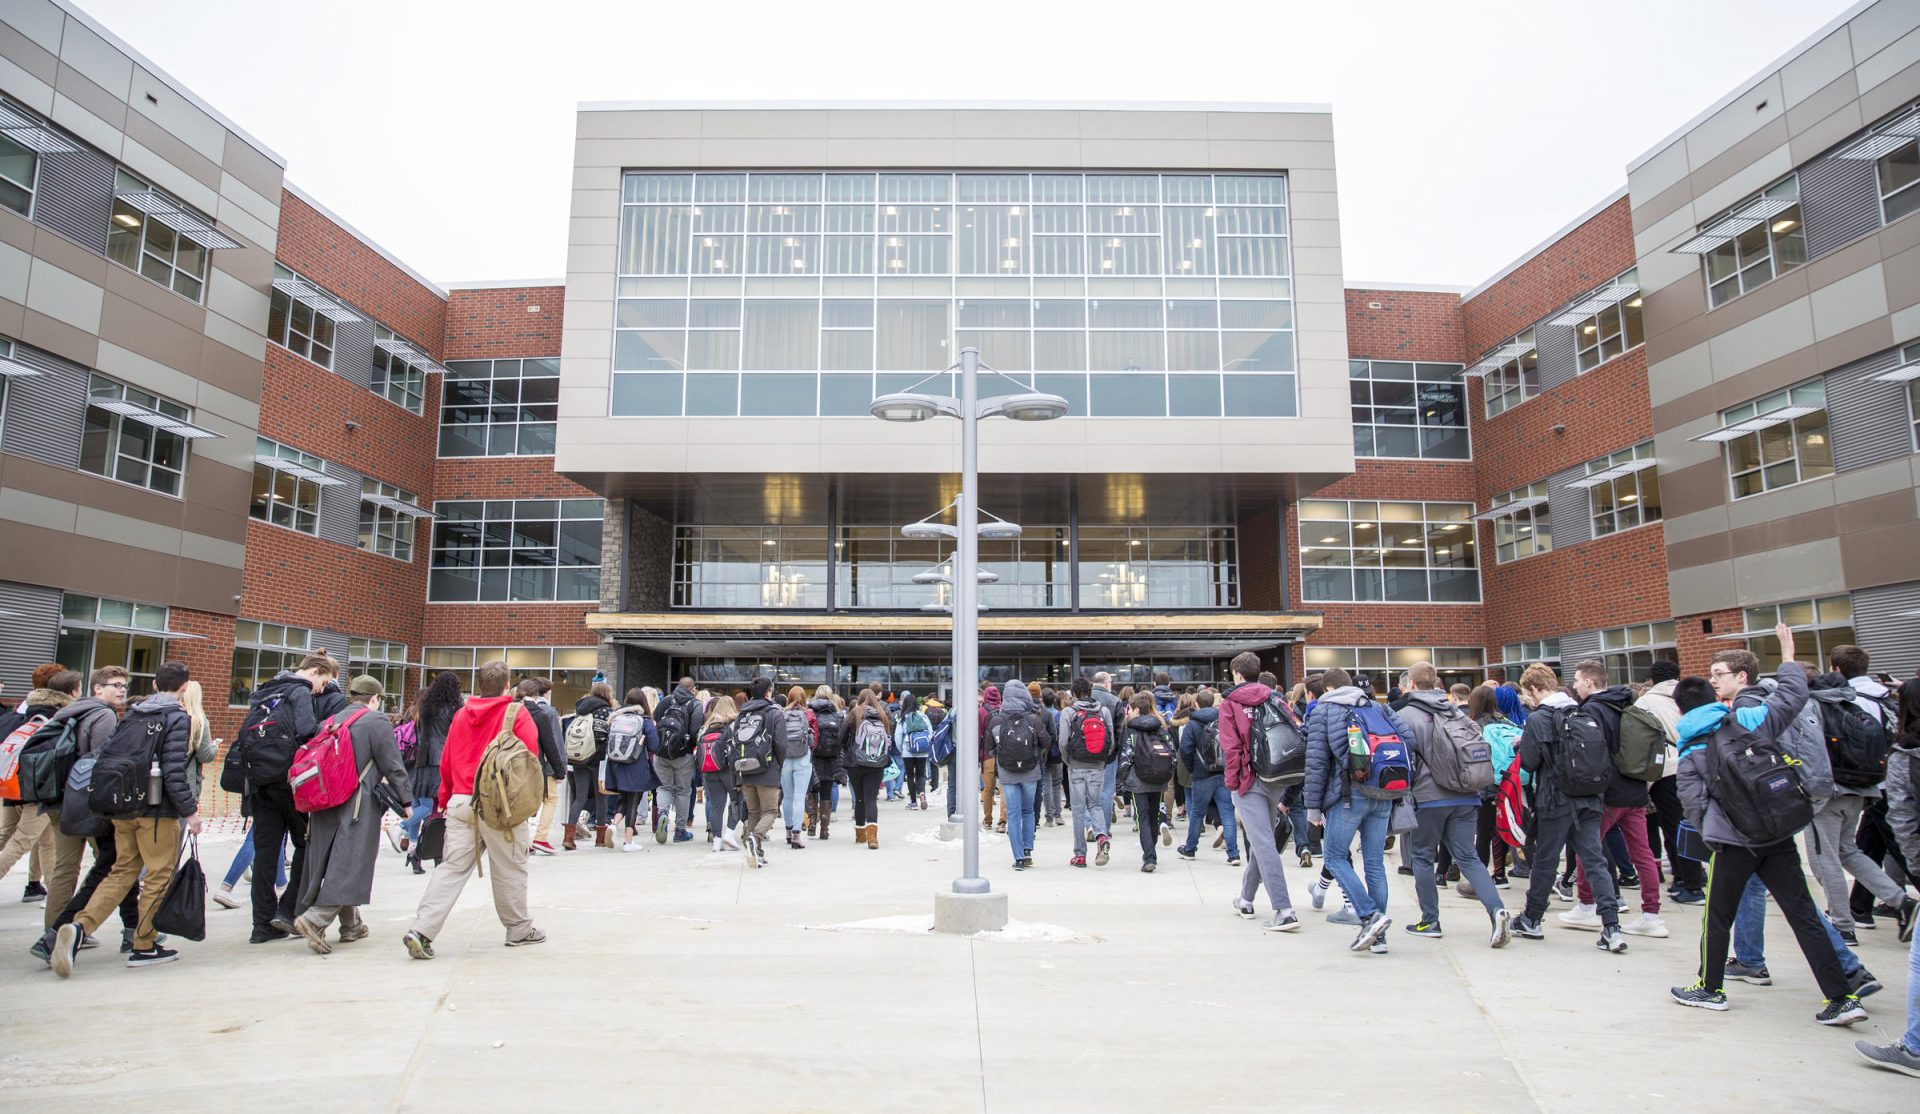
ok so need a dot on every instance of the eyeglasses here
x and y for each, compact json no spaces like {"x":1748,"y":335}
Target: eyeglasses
{"x":114,"y":685}
{"x":1713,"y":673}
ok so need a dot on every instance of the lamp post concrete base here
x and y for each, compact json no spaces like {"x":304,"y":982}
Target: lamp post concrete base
{"x":966,"y":914}
{"x":952,"y":829}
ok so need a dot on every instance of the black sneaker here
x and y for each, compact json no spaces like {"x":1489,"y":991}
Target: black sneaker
{"x":266,"y":935}
{"x":1758,"y":976}
{"x":1147,"y":867}
{"x":34,"y":894}
{"x":1700,"y":997}
{"x":1861,"y":983}
{"x":1611,"y":940}
{"x":1909,"y":909}
{"x":1019,"y":864}
{"x":1428,"y":929}
{"x":1841,"y":1011}
{"x":43,"y":948}
{"x":152,"y":957}
{"x":1184,"y":852}
{"x":1527,"y":928}
{"x":1852,"y":940}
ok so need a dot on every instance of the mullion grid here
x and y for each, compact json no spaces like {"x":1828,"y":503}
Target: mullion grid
{"x":1453,"y":520}
{"x":1364,"y":371}
{"x":449,"y":518}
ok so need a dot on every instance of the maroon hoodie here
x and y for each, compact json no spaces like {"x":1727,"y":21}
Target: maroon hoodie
{"x":1233,"y":732}
{"x":989,"y":704}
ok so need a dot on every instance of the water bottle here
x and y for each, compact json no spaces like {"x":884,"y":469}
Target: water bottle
{"x":1358,"y":757}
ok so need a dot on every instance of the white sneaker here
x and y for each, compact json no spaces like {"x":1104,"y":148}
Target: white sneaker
{"x":1586,"y":917}
{"x":1649,"y":924}
{"x":223,"y":897}
{"x":630,"y":846}
{"x":1317,"y":891}
{"x":730,"y":841}
{"x":716,"y":846}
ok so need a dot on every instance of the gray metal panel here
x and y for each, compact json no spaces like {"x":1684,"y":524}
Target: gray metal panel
{"x":1885,"y":625}
{"x":46,"y":413}
{"x":353,"y":351}
{"x":75,"y":195}
{"x":1575,"y":648}
{"x":1570,"y":508}
{"x":1559,"y":362}
{"x":334,"y":643}
{"x":1840,"y":201}
{"x":1867,"y":421}
{"x":340,"y":506}
{"x":28,"y":633}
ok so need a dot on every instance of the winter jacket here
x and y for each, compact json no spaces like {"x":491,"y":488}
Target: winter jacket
{"x":1070,"y":717}
{"x":175,"y":753}
{"x":989,"y":703}
{"x":1764,"y":715}
{"x":1658,"y":700}
{"x":474,"y":726}
{"x":1537,"y":741}
{"x":585,"y":706}
{"x":1606,"y":707}
{"x":776,"y":718}
{"x":1115,"y":715}
{"x":821,"y":707}
{"x":343,"y":843}
{"x":97,"y":721}
{"x":1903,"y":795}
{"x":1197,"y":721}
{"x":1326,"y":784}
{"x":637,"y":776}
{"x":39,"y":702}
{"x":1165,"y":700}
{"x":1421,"y":714}
{"x":1234,"y":729}
{"x":1140,"y":725}
{"x":1015,"y":700}
{"x":800,"y":744}
{"x":431,"y":733}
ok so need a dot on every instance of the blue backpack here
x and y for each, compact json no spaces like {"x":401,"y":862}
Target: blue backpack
{"x":1379,"y":761}
{"x":917,"y":739}
{"x":943,"y":741}
{"x":1504,"y":738}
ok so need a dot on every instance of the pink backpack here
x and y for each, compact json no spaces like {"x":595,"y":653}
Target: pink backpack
{"x":323,"y":774}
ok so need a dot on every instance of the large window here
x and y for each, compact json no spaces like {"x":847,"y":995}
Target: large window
{"x":1899,"y":167}
{"x":1514,"y":374}
{"x":1159,"y":568}
{"x":795,"y":293}
{"x":1516,"y":656}
{"x":19,"y":173}
{"x":875,"y":567}
{"x":1362,"y":551}
{"x":297,"y":326}
{"x":518,"y":550}
{"x":1462,"y":665}
{"x":387,"y":514}
{"x":385,"y":662}
{"x":136,"y":437}
{"x":1403,"y":409}
{"x":570,"y":668}
{"x":1522,"y":525}
{"x":96,"y":633}
{"x":750,"y":566}
{"x":397,"y":376}
{"x":1629,"y":652}
{"x":286,"y":486}
{"x":1754,"y":241}
{"x":1623,"y":490}
{"x":1611,"y":329}
{"x":261,"y":650}
{"x":500,"y":407}
{"x":1776,"y":441}
{"x":1819,"y":626}
{"x":148,"y":245}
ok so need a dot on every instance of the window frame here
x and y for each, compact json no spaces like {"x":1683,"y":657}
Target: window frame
{"x":1384,"y":664}
{"x":1515,"y":380}
{"x":68,"y":647}
{"x":1453,"y":518}
{"x":1362,"y":370}
{"x":283,"y":311}
{"x":458,"y":373}
{"x":1788,"y":186}
{"x":1628,"y":325}
{"x":256,"y":638}
{"x":1826,"y":631}
{"x":301,"y":488}
{"x":1642,"y":482}
{"x":1515,"y":656}
{"x":1805,"y":427}
{"x":124,"y":221}
{"x":115,"y":433}
{"x":380,"y":527}
{"x":522,"y":662}
{"x":407,"y":390}
{"x":1630,"y":651}
{"x":32,"y":187}
{"x":1529,"y":528}
{"x":496,"y":535}
{"x":389,"y":666}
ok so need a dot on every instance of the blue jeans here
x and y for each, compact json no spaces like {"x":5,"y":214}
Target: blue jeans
{"x":1211,"y":789}
{"x":1912,"y":1039}
{"x":243,"y":858}
{"x":1368,"y":817}
{"x":411,"y":825}
{"x":1749,"y":933}
{"x":1109,"y":781}
{"x":1022,"y":798}
{"x":796,"y":774}
{"x":953,"y":790}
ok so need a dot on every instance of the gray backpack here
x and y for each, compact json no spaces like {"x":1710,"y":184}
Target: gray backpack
{"x":1460,"y":760}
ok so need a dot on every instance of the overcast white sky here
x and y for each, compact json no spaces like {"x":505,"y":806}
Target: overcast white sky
{"x":1467,"y":131}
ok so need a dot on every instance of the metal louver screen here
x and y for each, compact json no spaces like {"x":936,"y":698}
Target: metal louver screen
{"x":1885,"y":623}
{"x":75,"y":195}
{"x":27,"y":633}
{"x":353,"y":352}
{"x":1840,"y":201}
{"x":340,"y":506}
{"x":335,"y":644}
{"x":1570,"y":508}
{"x":46,"y":413}
{"x":1575,"y":648}
{"x":1557,"y":357}
{"x":1866,"y":421}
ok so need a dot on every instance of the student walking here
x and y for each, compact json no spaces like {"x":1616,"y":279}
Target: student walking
{"x":431,"y":723}
{"x":714,"y":755}
{"x":343,"y":842}
{"x":1565,"y":749}
{"x":67,"y":894}
{"x":1903,"y":816}
{"x":759,"y":739}
{"x":677,"y":723}
{"x":1357,"y":768}
{"x":797,"y":745}
{"x":1448,"y":774}
{"x":1020,"y":733}
{"x":627,"y":774}
{"x":582,"y":773}
{"x":830,"y":729}
{"x":863,"y":752}
{"x":282,"y":716}
{"x":1087,"y":739}
{"x":913,"y":738}
{"x":1147,"y":757}
{"x":1201,"y":753}
{"x":1254,"y":800}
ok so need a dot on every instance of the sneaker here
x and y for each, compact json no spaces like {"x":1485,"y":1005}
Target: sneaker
{"x":663,"y":827}
{"x":1425,"y":928}
{"x":418,"y":946}
{"x":315,"y":935}
{"x":1848,"y":935}
{"x":1100,"y":856}
{"x":750,"y":847}
{"x":1388,"y":846}
{"x":1019,"y":864}
{"x":1563,"y":890}
{"x":1221,"y":839}
{"x":1909,"y":910}
{"x":1527,"y":928}
{"x":1867,"y":921}
{"x":34,"y":894}
{"x":533,"y":936}
{"x":729,"y":841}
{"x":1243,"y":908}
{"x":1502,"y":929}
{"x":1682,"y":896}
{"x":223,"y":897}
{"x":683,"y":836}
{"x":1185,"y":852}
{"x":1344,"y":915}
{"x":1500,"y":882}
{"x":152,"y":957}
{"x":1077,"y":860}
{"x":1317,"y":891}
{"x":66,"y":945}
{"x":1861,"y":984}
{"x":759,"y":852}
{"x":1306,"y":859}
{"x":1379,"y":947}
{"x":1371,"y":930}
{"x":1166,"y":835}
{"x":88,"y":942}
{"x":282,"y":925}
{"x":355,"y":931}
{"x":1612,"y":940}
{"x":1406,"y":870}
{"x":1629,"y":882}
{"x":1700,"y":997}
{"x":540,"y":847}
{"x":631,"y":846}
{"x":1893,"y":1057}
{"x":43,"y":948}
{"x":266,"y":934}
{"x":1841,"y":1011}
{"x":1234,"y":861}
{"x":1758,"y":976}
{"x":396,"y":838}
{"x":1519,"y":870}
{"x":1585,"y":917}
{"x":1649,"y":924}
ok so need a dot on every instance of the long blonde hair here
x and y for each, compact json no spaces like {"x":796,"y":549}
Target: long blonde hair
{"x":196,"y":707}
{"x":724,"y":710}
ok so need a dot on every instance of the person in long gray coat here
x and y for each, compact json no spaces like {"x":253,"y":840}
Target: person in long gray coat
{"x":343,"y":843}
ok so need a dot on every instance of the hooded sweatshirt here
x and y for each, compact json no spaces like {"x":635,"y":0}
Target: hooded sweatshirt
{"x":1015,"y":700}
{"x":95,"y":728}
{"x":1766,"y":715}
{"x":1138,"y":726}
{"x":1606,"y":707}
{"x":1326,"y":738}
{"x":1197,"y":721}
{"x":989,"y":704}
{"x":1080,"y":708}
{"x":1536,"y":756}
{"x":1421,"y":714}
{"x":1234,"y":729}
{"x":474,"y":726}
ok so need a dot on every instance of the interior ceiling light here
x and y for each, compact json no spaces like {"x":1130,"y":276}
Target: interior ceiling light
{"x":1784,"y":225}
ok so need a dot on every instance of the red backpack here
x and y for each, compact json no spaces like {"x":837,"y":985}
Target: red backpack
{"x":1512,"y":808}
{"x":323,"y":774}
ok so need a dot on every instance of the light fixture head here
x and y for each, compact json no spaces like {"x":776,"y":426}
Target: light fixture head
{"x":903,"y":406}
{"x":1030,"y":406}
{"x":927,"y":531}
{"x":932,"y":577}
{"x":998,"y":531}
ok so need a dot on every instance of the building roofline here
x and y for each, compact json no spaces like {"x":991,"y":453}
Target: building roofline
{"x":1748,"y":85}
{"x":953,"y":106}
{"x":173,"y":83}
{"x":505,"y":284}
{"x":1407,"y":287}
{"x":1543,"y":245}
{"x":317,"y":207}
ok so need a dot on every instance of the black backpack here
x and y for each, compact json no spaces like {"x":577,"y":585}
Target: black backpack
{"x":47,"y":759}
{"x":1857,"y":741}
{"x":752,"y":742}
{"x":1152,"y":755}
{"x":675,"y":725}
{"x":1087,"y":740}
{"x":124,"y":768}
{"x":1757,"y":784}
{"x":1582,"y":760}
{"x":1016,"y":742}
{"x":1207,"y":750}
{"x":264,"y":749}
{"x":1277,"y":749}
{"x":826,"y":747}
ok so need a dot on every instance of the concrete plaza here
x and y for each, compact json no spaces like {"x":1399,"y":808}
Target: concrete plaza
{"x":675,"y":976}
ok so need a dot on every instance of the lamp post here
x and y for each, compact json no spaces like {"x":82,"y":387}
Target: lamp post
{"x":968,"y":908}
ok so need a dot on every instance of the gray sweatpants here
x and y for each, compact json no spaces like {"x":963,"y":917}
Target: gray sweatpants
{"x":1832,"y":855}
{"x":676,"y":786}
{"x":1086,"y":785}
{"x":1452,"y":825}
{"x":1258,"y":811}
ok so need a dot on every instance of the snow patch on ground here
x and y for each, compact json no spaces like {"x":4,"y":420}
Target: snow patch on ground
{"x":929,"y":837}
{"x":1016,"y":932}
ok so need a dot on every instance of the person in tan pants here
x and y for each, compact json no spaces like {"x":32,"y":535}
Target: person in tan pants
{"x":27,"y":830}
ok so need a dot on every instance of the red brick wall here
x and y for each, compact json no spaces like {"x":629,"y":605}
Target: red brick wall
{"x":342,"y":263}
{"x":1608,"y":582}
{"x":1597,"y":250}
{"x":1697,"y":647}
{"x":308,"y":407}
{"x":1409,"y":325}
{"x":505,"y":323}
{"x":1604,"y":411}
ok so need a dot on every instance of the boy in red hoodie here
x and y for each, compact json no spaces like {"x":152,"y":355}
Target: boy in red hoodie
{"x":476,"y":724}
{"x":1256,"y":805}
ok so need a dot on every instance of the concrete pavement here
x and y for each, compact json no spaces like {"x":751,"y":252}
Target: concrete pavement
{"x":675,"y":976}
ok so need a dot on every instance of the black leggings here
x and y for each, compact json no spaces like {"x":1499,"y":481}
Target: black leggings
{"x":916,"y":776}
{"x":866,"y":786}
{"x":583,"y":792}
{"x":1487,"y":841}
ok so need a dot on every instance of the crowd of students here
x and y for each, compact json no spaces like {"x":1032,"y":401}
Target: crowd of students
{"x":1700,"y":784}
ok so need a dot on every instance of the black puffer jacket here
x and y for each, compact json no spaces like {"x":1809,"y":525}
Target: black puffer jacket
{"x":177,"y":799}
